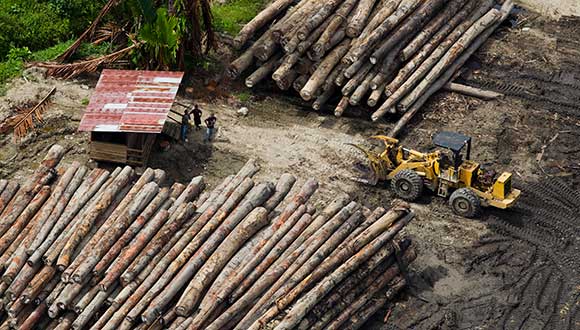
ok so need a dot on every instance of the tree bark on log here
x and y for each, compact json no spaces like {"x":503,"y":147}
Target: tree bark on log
{"x":123,"y":233}
{"x":361,"y":91}
{"x":433,"y":43}
{"x":86,"y":223}
{"x":414,"y":22}
{"x":81,"y":197}
{"x":426,"y":65}
{"x":445,"y":77}
{"x":166,"y":236}
{"x":144,"y":293}
{"x":359,"y":18}
{"x":263,"y":71}
{"x":337,"y":21}
{"x":211,"y":241}
{"x":23,"y":219}
{"x":472,"y":91}
{"x":325,"y":68}
{"x":266,"y":256}
{"x":378,"y":284}
{"x":299,"y":268}
{"x":263,"y":18}
{"x":434,"y":25}
{"x":370,"y":308}
{"x":341,"y":107}
{"x":255,"y":221}
{"x":394,"y":220}
{"x":7,"y":194}
{"x":308,"y":300}
{"x":317,"y":19}
{"x":387,"y":9}
{"x":452,"y":54}
{"x":357,"y":79}
{"x":41,"y":176}
{"x":58,"y":210}
{"x":405,"y":9}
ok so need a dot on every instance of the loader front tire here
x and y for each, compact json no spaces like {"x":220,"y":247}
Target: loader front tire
{"x":407,"y":185}
{"x":465,"y":203}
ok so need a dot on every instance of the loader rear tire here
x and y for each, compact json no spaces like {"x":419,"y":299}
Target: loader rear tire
{"x":407,"y":185}
{"x":465,"y":203}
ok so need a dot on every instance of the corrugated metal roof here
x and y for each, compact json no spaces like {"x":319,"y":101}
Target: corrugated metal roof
{"x":131,"y":101}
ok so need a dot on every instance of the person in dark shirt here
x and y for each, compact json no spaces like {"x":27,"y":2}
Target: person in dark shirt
{"x":210,"y":123}
{"x":197,"y":116}
{"x":184,"y":126}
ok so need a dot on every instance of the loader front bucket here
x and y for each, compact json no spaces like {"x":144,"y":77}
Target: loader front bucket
{"x":367,"y":168}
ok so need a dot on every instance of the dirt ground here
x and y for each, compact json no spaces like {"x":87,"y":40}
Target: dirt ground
{"x":507,"y":270}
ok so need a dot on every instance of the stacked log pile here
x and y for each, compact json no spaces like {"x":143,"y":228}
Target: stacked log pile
{"x":93,"y":249}
{"x":394,"y":54}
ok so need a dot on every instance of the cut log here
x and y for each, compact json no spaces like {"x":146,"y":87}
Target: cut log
{"x":433,"y":43}
{"x":357,"y":79}
{"x":472,"y":91}
{"x":263,"y":71}
{"x":7,"y":194}
{"x":325,"y":68}
{"x":342,"y":221}
{"x":452,"y":54}
{"x":377,"y":285}
{"x":367,"y":44}
{"x":336,"y":24}
{"x":434,"y":25}
{"x":314,"y":21}
{"x":357,"y":21}
{"x":256,"y":220}
{"x":265,"y":257}
{"x":414,"y":22}
{"x":445,"y":77}
{"x":264,"y":17}
{"x":433,"y":59}
{"x":375,"y":234}
{"x":256,"y":198}
{"x":341,"y":107}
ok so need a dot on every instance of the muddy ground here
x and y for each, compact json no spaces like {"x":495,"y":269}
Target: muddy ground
{"x":507,"y":270}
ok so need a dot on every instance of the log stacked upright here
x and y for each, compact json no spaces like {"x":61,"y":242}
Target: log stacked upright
{"x":393,"y":53}
{"x":93,"y":249}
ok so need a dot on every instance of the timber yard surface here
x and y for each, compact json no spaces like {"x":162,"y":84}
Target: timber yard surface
{"x":516,"y":269}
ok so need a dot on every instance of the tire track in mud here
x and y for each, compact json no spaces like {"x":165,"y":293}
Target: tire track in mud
{"x":544,"y":293}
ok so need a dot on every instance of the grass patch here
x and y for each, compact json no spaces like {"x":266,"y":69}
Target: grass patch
{"x":14,"y":65}
{"x":50,"y":53}
{"x":230,"y":17}
{"x":244,"y":97}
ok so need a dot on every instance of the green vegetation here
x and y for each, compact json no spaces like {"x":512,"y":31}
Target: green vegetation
{"x":42,"y":24}
{"x":14,"y":63}
{"x":244,"y":97}
{"x":41,"y":30}
{"x":230,"y":17}
{"x":50,"y":53}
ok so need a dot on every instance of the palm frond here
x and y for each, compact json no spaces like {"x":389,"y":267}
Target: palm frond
{"x":109,"y":31}
{"x":24,"y":121}
{"x":74,"y":69}
{"x":73,"y":48}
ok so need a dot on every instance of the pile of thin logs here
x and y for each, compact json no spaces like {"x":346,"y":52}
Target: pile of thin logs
{"x":93,"y":249}
{"x":394,"y":53}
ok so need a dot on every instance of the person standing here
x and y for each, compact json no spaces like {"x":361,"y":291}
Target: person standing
{"x":184,"y":126}
{"x":210,"y":123}
{"x":197,"y":116}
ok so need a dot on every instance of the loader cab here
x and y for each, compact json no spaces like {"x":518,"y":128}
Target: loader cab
{"x":456,"y":143}
{"x":458,"y":147}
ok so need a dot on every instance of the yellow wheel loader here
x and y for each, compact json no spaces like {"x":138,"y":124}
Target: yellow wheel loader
{"x":448,"y":172}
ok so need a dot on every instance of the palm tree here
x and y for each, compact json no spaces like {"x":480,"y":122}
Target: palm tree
{"x":163,"y":33}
